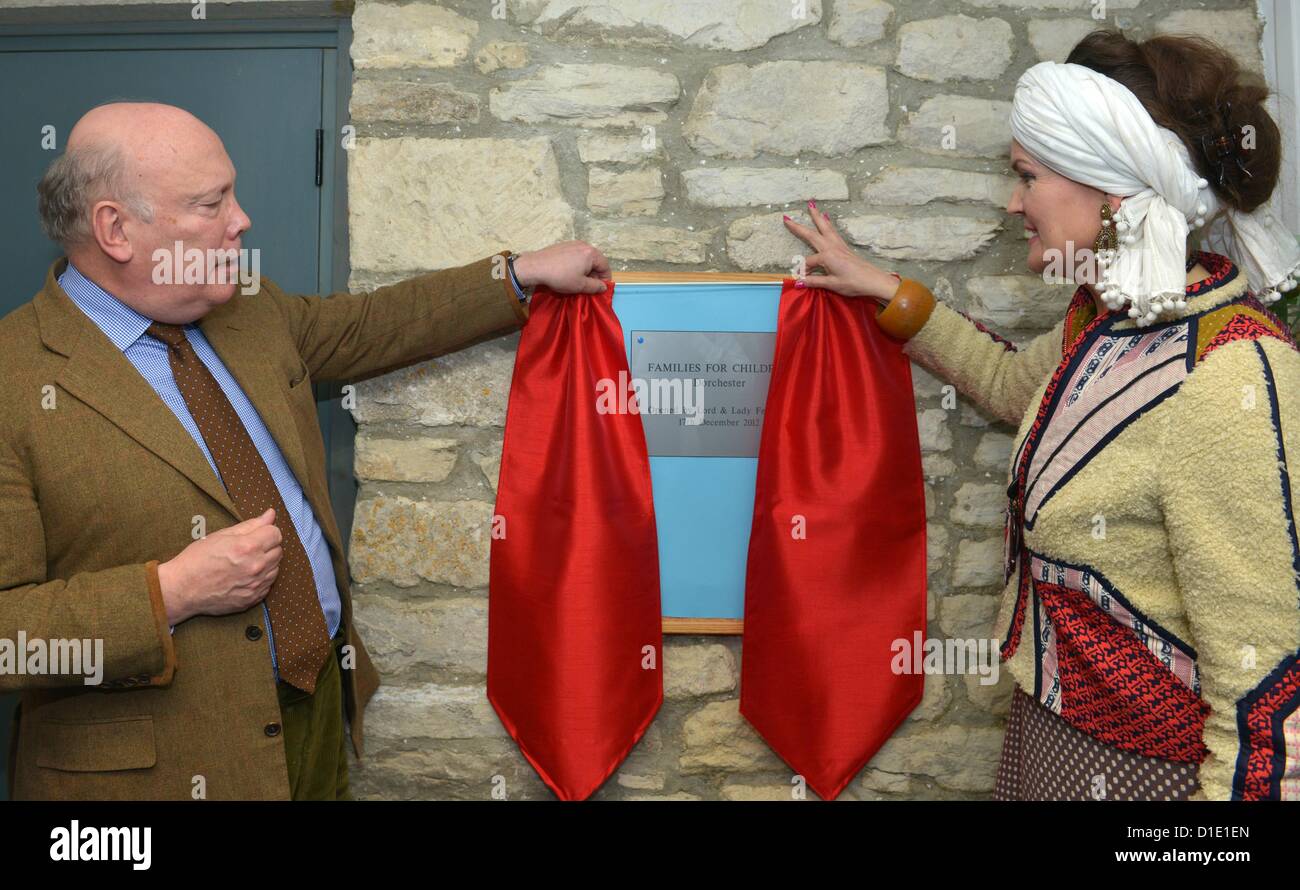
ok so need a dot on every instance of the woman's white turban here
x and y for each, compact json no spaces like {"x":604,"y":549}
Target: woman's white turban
{"x":1092,"y":129}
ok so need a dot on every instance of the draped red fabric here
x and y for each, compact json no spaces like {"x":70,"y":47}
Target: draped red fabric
{"x":836,"y":569}
{"x":836,"y":565}
{"x":574,"y":623}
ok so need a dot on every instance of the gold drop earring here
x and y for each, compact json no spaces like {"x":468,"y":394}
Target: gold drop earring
{"x":1107,"y":238}
{"x":1104,"y":250}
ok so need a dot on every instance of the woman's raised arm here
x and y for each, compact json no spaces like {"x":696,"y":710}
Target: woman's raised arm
{"x":992,"y":371}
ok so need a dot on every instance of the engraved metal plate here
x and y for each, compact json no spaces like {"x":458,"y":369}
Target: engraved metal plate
{"x":701,"y":393}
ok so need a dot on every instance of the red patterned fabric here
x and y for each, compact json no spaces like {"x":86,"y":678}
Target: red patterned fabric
{"x":1264,"y":749}
{"x":1114,"y":689}
{"x":1280,"y":328}
{"x":1081,"y":312}
{"x":1219,"y":267}
{"x":1241,"y":327}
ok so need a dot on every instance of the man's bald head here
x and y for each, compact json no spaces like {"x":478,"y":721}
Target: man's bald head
{"x":140,"y":191}
{"x":120,"y":151}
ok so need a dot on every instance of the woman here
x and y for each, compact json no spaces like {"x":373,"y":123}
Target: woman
{"x":1150,"y":612}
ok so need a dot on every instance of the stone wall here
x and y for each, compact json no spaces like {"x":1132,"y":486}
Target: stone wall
{"x":674,"y":135}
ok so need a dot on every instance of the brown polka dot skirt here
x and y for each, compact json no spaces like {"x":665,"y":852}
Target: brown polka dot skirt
{"x":1045,"y":758}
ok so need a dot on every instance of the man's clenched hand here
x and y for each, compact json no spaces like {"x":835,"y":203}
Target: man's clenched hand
{"x":225,"y":571}
{"x":570,"y":267}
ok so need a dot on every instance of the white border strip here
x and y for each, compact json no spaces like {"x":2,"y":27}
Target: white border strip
{"x":1280,"y":47}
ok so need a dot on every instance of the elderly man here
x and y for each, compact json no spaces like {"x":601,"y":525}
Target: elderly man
{"x":174,"y":594}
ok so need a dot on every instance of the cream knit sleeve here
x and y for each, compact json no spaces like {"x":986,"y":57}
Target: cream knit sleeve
{"x":1232,"y":431}
{"x":997,"y":375}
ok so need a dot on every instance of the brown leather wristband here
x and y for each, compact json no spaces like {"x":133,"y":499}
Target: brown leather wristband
{"x":907,"y":311}
{"x":519,"y":306}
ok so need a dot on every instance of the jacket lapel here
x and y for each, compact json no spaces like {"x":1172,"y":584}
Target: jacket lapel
{"x":98,"y":374}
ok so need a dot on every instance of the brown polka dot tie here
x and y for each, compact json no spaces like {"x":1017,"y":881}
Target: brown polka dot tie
{"x":297,"y":621}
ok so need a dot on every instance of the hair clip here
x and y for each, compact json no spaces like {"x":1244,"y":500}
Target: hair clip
{"x":1222,"y":148}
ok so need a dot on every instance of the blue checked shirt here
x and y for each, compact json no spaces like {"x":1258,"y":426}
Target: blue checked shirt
{"x":126,"y":329}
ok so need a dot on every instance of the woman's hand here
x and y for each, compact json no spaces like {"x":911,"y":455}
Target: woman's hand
{"x":847,"y":273}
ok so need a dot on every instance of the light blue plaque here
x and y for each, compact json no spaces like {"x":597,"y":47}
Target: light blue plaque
{"x":704,"y":505}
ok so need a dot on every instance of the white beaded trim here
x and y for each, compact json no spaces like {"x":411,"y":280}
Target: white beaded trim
{"x":1159,"y":304}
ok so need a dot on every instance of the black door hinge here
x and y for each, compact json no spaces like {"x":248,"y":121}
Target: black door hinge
{"x":320,"y":156}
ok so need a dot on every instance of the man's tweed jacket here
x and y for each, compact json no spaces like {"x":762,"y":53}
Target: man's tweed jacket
{"x":99,"y":483}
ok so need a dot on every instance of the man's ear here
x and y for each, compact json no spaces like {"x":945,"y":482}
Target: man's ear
{"x":106,"y":218}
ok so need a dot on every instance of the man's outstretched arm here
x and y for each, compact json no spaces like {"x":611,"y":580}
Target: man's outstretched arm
{"x":351,"y":337}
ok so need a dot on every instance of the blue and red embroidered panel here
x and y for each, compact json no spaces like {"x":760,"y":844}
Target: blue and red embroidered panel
{"x":1268,"y":722}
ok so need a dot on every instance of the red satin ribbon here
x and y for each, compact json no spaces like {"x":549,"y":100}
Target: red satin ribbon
{"x":574,"y":623}
{"x":838,"y":463}
{"x":574,"y":591}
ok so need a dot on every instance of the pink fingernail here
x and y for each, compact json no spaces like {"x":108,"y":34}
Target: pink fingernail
{"x":783,"y":216}
{"x":798,"y":284}
{"x":812,"y":204}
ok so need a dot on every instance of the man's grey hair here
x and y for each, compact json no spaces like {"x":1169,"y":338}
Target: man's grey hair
{"x":75,"y":180}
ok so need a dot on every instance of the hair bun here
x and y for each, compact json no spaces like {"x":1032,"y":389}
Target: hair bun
{"x":1194,"y":87}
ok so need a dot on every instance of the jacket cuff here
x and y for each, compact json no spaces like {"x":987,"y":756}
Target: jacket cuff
{"x":518,"y":305}
{"x":908,"y":311}
{"x":160,"y":621}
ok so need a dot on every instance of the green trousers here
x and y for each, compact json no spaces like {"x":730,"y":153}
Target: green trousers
{"x":314,"y":740}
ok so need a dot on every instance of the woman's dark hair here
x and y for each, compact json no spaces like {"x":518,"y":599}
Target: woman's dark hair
{"x":1192,"y":86}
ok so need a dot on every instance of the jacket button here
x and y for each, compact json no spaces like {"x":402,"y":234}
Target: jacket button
{"x":273,"y":729}
{"x":253,"y":632}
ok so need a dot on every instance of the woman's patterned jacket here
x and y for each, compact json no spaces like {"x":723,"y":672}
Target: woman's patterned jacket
{"x":1151,"y":569}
